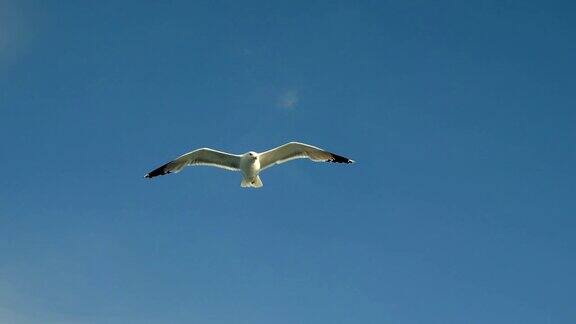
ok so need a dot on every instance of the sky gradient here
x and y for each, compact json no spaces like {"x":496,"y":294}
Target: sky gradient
{"x":460,"y":209}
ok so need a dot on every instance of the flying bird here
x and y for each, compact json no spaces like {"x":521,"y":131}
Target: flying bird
{"x":251,"y":163}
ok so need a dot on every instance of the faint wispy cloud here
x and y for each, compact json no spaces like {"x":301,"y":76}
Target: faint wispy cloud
{"x":288,"y":99}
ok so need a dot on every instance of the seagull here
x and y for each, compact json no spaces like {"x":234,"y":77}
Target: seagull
{"x":251,"y":163}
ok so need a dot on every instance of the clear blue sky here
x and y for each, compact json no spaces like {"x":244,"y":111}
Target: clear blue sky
{"x":460,"y":209}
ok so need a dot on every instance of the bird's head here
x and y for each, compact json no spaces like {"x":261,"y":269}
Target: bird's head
{"x":252,"y":155}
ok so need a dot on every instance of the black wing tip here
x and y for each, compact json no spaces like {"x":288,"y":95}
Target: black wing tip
{"x":340,"y":159}
{"x":157,"y":172}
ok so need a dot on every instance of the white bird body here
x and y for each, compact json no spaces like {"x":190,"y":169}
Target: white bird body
{"x":250,"y":163}
{"x":250,"y":168}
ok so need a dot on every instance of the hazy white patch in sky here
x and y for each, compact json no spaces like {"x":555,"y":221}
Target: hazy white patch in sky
{"x":246,"y":51}
{"x":289,"y":99}
{"x":19,"y":308}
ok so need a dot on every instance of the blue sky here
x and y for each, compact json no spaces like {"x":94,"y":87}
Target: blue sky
{"x":460,"y":208}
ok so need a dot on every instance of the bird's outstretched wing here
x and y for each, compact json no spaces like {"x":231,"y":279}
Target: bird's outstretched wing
{"x":295,"y":150}
{"x":203,"y":156}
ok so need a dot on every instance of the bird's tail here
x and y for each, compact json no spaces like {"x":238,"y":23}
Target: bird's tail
{"x":253,"y":183}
